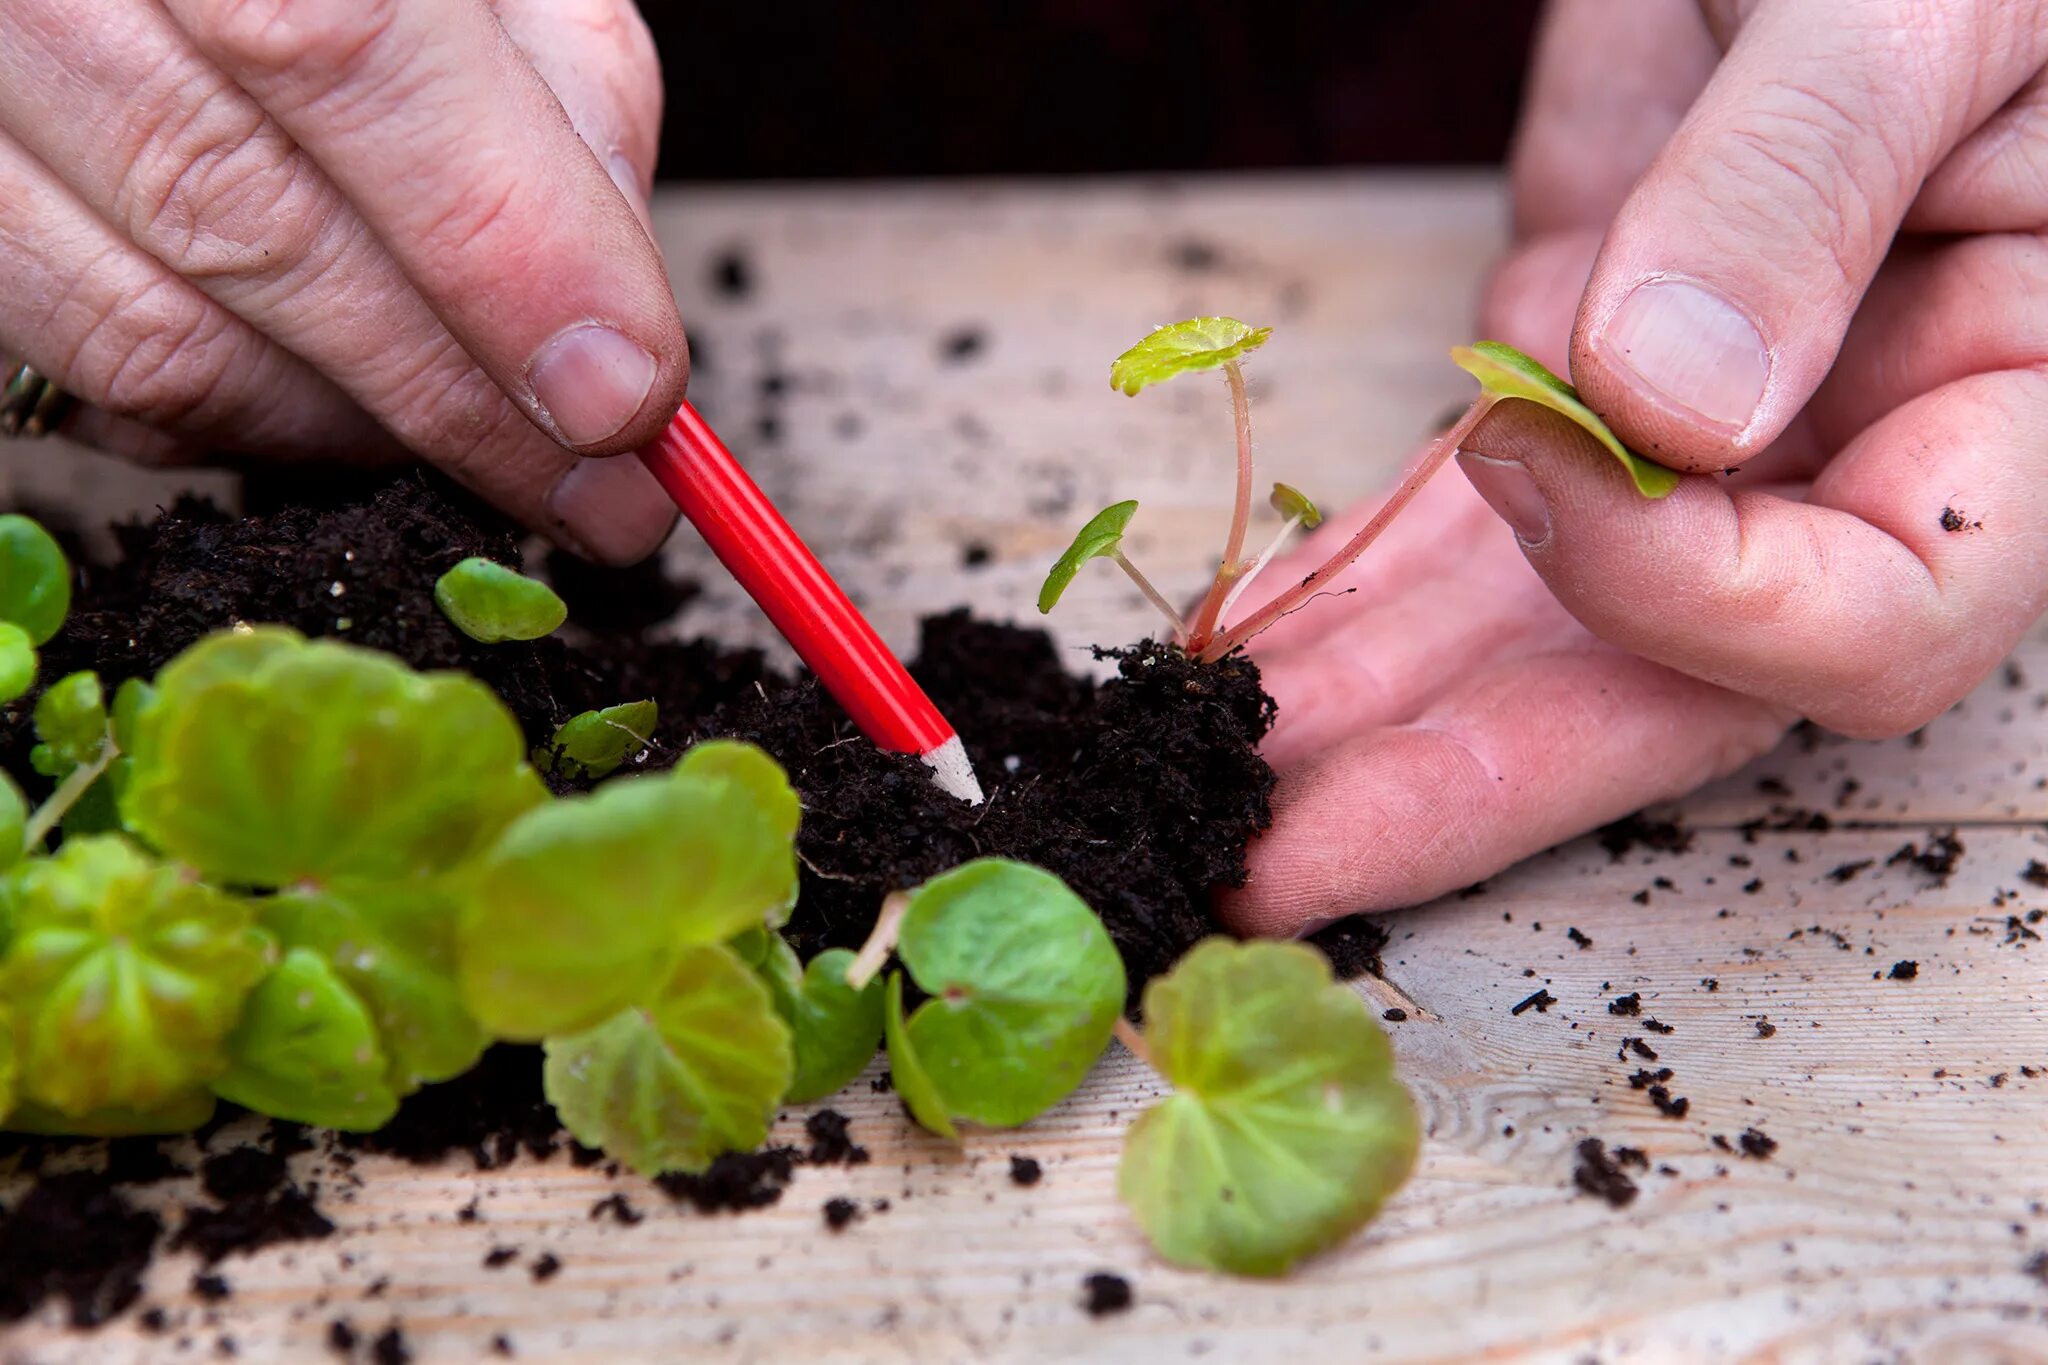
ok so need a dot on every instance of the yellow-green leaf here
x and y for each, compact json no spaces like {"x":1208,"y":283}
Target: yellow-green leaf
{"x":1182,"y":348}
{"x":1507,"y":373}
{"x":1290,"y":502}
{"x":1101,"y":537}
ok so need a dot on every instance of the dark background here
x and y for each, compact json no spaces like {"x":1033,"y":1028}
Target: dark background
{"x":767,"y":89}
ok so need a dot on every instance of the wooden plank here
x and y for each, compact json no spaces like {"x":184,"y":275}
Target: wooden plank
{"x":1895,"y":1217}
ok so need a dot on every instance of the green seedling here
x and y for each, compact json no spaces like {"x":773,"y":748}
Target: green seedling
{"x":1287,"y":1128}
{"x":595,"y":743}
{"x":307,"y":1050}
{"x":694,"y":1069}
{"x":1025,"y":986}
{"x":492,"y":604}
{"x":834,"y":1028}
{"x":18,"y":662}
{"x":1216,"y":343}
{"x":35,"y":578}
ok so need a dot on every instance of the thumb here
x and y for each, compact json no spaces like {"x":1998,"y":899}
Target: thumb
{"x":1730,"y":275}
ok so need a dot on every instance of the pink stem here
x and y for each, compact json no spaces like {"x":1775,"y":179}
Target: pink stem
{"x":1240,"y":518}
{"x":1301,"y":592}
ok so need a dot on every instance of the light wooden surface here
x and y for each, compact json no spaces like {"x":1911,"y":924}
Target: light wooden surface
{"x":1892,"y":1222}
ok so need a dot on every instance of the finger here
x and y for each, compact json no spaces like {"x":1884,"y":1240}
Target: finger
{"x":156,"y":140}
{"x":460,"y":160}
{"x":1731,"y":273}
{"x":1997,"y":180}
{"x":1526,"y":753}
{"x":599,"y":60}
{"x":1608,"y":84}
{"x":1916,"y":562}
{"x":113,"y":328}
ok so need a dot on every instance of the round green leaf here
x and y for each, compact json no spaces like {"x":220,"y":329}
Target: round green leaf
{"x":1025,"y":988}
{"x":17,"y":661}
{"x":1507,"y":373}
{"x":1290,"y":502}
{"x":13,"y":824}
{"x":394,"y":948}
{"x":1100,"y":538}
{"x":71,"y":722}
{"x":669,"y":1084}
{"x":595,"y":743}
{"x":490,"y":603}
{"x":834,"y":1028}
{"x":306,"y":1050}
{"x":584,"y":903}
{"x":906,"y":1071}
{"x":124,"y":974}
{"x":268,"y":760}
{"x":1181,"y":348}
{"x":35,"y":578}
{"x":1287,"y":1127}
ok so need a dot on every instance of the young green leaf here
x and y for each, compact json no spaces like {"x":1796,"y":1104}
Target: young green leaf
{"x":1182,"y":348}
{"x":1291,"y":503}
{"x":124,"y":974}
{"x":13,"y":821}
{"x":491,"y":604}
{"x":306,"y":1050}
{"x":595,"y":743}
{"x":1101,"y":537}
{"x":71,"y":722}
{"x":1287,"y":1126}
{"x":581,"y":907}
{"x":266,"y":759}
{"x":1025,"y":988}
{"x":181,"y":1113}
{"x":669,"y":1083}
{"x":393,"y":945}
{"x":834,"y":1029}
{"x":906,"y":1071}
{"x":1507,"y":373}
{"x":17,"y":662}
{"x":35,"y":578}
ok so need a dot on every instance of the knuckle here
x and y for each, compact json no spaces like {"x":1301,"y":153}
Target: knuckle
{"x":483,"y":219}
{"x":291,"y":35}
{"x":217,"y":190}
{"x":159,"y":355}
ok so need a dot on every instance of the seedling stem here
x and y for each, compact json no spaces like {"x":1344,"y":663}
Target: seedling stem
{"x":67,"y":795}
{"x":1230,"y":570}
{"x":1152,"y":594}
{"x":1127,"y":1034}
{"x":881,"y":941}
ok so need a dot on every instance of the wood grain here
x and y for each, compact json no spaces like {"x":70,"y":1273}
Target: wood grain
{"x":1892,"y":1222}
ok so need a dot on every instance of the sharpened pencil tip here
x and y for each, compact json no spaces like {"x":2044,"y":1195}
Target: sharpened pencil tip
{"x":952,"y":771}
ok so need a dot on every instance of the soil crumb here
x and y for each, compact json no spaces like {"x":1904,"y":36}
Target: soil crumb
{"x":1103,"y":1293}
{"x":1598,"y":1174}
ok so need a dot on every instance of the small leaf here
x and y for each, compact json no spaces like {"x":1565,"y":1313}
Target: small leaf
{"x":1507,"y":373}
{"x":834,"y":1028}
{"x":13,"y":827}
{"x":584,"y":903}
{"x":1290,"y":502}
{"x":35,"y":578}
{"x":1101,"y":537}
{"x":1025,"y":988}
{"x":125,"y":976}
{"x":17,"y":661}
{"x":490,"y":603}
{"x":594,"y":744}
{"x":1181,"y":348}
{"x":306,"y":1050}
{"x":906,"y":1071}
{"x":695,"y":1070}
{"x":394,"y":947}
{"x":1287,"y":1126}
{"x":71,"y":722}
{"x":265,"y":760}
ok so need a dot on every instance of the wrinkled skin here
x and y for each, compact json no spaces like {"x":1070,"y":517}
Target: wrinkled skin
{"x":349,"y":229}
{"x":1534,"y":650}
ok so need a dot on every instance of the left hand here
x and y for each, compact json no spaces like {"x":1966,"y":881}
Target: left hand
{"x":1795,"y":245}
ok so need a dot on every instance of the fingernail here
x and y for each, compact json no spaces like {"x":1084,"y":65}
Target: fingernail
{"x":627,"y":177}
{"x":1511,"y":493}
{"x":1690,"y":347}
{"x":589,"y":382}
{"x":611,"y":510}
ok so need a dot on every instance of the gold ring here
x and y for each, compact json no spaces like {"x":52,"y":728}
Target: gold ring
{"x":31,"y":405}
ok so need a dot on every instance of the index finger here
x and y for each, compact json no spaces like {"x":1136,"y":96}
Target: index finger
{"x":462,"y":162}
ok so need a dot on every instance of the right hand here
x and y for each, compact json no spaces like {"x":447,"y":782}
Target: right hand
{"x":348,"y":229}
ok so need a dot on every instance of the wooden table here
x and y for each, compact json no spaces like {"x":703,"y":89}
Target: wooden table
{"x":940,"y":354}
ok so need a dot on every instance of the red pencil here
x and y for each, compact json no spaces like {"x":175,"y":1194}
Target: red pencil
{"x":781,"y":574}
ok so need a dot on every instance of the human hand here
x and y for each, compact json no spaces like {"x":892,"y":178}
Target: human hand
{"x":1793,"y":239}
{"x":349,"y":229}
